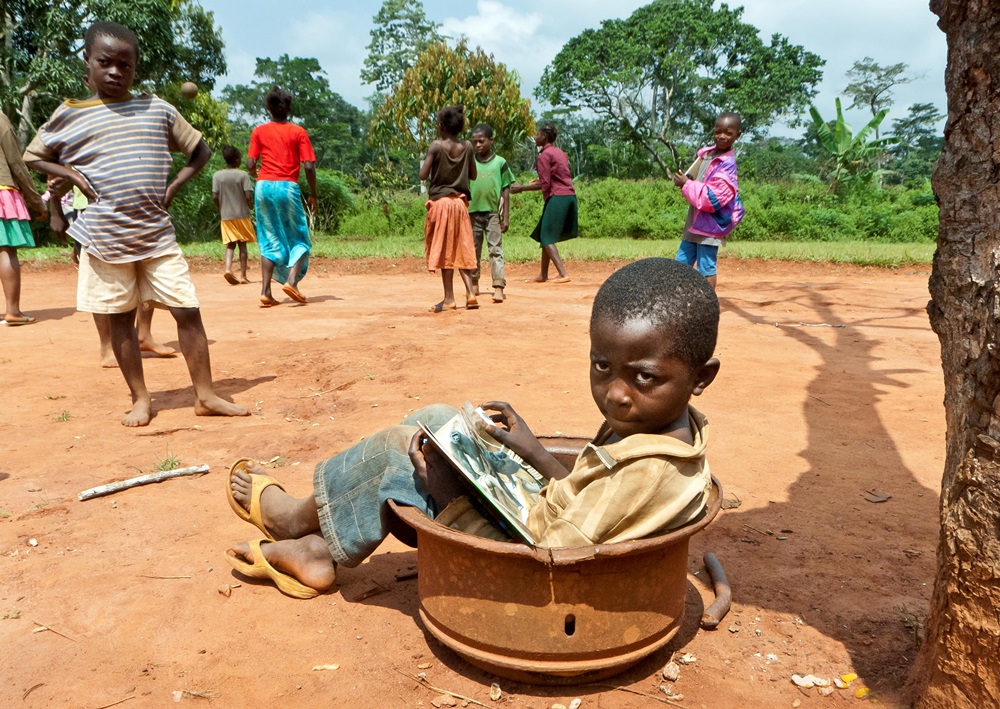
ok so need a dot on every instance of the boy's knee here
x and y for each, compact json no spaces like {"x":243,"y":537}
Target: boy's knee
{"x":433,"y":416}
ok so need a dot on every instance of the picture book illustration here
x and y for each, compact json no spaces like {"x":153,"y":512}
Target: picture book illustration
{"x":502,"y":486}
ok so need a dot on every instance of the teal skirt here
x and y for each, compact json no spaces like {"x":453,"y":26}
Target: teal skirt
{"x":282,"y":228}
{"x":558,"y":222}
{"x":16,"y":233}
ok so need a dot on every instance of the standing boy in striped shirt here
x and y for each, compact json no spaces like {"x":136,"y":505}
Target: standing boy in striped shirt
{"x":119,"y":145}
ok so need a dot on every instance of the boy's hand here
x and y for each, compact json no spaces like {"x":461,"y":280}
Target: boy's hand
{"x":58,"y":186}
{"x":57,"y":223}
{"x":172,"y":189}
{"x":513,"y":431}
{"x":679,"y":179}
{"x":432,"y":472}
{"x":311,"y":202}
{"x":504,"y":225}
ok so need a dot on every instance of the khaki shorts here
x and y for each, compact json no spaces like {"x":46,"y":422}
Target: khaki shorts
{"x":161,"y":281}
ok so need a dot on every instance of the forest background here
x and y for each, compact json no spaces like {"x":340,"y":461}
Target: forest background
{"x":633,"y":99}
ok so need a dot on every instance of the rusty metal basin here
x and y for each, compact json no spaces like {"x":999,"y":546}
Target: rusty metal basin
{"x":552,"y":615}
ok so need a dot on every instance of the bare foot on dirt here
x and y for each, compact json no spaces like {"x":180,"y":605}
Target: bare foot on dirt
{"x":498,"y":295}
{"x":108,"y":360}
{"x":244,"y":280}
{"x":537,"y":279}
{"x":156,"y":348}
{"x":217,"y":406}
{"x":281,"y":513}
{"x":140,"y":415}
{"x":307,"y":559}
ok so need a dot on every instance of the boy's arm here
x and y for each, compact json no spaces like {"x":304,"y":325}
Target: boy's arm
{"x":518,"y":437}
{"x":711,"y":195}
{"x":470,"y":154}
{"x":198,"y":159}
{"x":248,"y":194}
{"x":54,"y":169}
{"x":252,"y":167}
{"x":504,"y":209}
{"x":435,"y":475}
{"x":19,"y":171}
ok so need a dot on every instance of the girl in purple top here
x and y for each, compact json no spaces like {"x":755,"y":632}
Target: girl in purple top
{"x":559,"y":216}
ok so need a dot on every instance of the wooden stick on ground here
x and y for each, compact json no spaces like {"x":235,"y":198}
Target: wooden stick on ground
{"x":112,"y":488}
{"x":427,"y":685}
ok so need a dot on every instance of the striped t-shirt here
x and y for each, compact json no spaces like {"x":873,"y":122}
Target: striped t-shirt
{"x":123,"y":150}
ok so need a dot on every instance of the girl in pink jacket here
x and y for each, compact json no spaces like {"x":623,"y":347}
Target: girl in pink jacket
{"x":712,"y":188}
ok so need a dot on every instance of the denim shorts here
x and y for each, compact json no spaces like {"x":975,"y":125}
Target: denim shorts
{"x":701,"y":256}
{"x":353,"y":488}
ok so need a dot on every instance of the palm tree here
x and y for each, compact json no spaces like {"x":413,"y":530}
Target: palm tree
{"x":853,"y":156}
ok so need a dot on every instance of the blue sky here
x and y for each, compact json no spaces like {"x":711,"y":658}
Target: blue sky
{"x":527,"y":35}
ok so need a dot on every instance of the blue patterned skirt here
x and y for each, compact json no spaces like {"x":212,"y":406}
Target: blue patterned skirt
{"x":282,"y":229}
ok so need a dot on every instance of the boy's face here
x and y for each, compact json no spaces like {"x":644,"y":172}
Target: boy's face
{"x":637,"y":382}
{"x":482,"y":144}
{"x":727,"y":130}
{"x":110,"y":66}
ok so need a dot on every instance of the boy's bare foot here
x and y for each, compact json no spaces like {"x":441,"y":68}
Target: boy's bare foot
{"x":471,"y":303}
{"x":279,"y":511}
{"x":217,"y":406}
{"x":244,"y":280}
{"x":230,"y":278}
{"x":108,"y":360}
{"x":537,"y":279}
{"x":442,"y":306}
{"x":156,"y":348}
{"x":140,"y":415}
{"x":307,"y":559}
{"x":498,"y":295}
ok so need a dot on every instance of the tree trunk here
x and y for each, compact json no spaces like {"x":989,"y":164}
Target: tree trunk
{"x":959,"y":663}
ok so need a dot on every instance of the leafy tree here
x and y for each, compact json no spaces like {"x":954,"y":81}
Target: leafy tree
{"x":42,"y":41}
{"x":444,"y":76}
{"x":871,"y":84}
{"x":336,"y":128}
{"x":920,"y":142}
{"x":852,"y":155}
{"x":662,"y":75}
{"x":400,"y":34}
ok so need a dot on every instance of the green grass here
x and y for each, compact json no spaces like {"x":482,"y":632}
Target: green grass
{"x":63,"y":417}
{"x":171,"y":462}
{"x":520,"y":249}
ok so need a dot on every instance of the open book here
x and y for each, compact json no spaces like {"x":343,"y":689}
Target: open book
{"x":500,"y":485}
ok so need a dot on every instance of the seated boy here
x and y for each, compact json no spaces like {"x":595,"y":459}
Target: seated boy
{"x":653,"y":330}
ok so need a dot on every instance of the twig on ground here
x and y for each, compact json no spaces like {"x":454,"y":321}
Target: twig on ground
{"x":813,"y":396}
{"x":310,"y":396}
{"x":754,"y":529}
{"x":42,"y":627}
{"x":31,"y":689}
{"x":110,"y":488}
{"x":427,"y":685}
{"x":807,"y":324}
{"x":406,"y":576}
{"x":374,"y":591}
{"x":662,"y":700}
{"x":118,"y":702}
{"x":143,"y":576}
{"x":166,"y":431}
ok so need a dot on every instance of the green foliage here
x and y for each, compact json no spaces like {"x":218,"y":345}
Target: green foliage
{"x":205,"y":113}
{"x":871,"y":84}
{"x":920,"y":143}
{"x":333,"y":200}
{"x":336,"y":128}
{"x":400,"y":33}
{"x":853,"y":156}
{"x":42,"y":41}
{"x":662,"y":75}
{"x":443,"y":76}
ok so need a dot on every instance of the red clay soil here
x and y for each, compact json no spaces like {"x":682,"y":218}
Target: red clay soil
{"x":830,"y":386}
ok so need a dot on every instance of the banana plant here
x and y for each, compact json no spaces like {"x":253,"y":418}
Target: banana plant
{"x":852,"y":155}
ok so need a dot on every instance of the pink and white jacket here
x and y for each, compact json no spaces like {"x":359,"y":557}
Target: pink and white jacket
{"x":717,"y":199}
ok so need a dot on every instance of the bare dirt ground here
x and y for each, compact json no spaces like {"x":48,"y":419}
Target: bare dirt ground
{"x":830,"y":385}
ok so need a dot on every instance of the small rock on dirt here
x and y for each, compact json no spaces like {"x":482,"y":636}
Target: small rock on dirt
{"x":444,"y":700}
{"x":576,"y":703}
{"x":495,"y":692}
{"x":558,"y":706}
{"x":671,"y":671}
{"x":225,"y":590}
{"x":686,"y":659}
{"x":826,"y":691}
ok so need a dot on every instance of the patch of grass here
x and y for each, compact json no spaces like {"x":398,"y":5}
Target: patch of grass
{"x":12,"y":614}
{"x":521,"y":249}
{"x":171,"y":462}
{"x":63,"y":417}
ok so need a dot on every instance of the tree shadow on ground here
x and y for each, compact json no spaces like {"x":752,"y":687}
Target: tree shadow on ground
{"x":183,"y":397}
{"x":845,"y":566}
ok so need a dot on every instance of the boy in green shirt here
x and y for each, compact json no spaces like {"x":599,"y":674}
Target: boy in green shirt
{"x":489,"y":207}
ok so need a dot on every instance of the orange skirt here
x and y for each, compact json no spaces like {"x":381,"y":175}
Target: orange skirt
{"x":448,"y":234}
{"x":236,"y":230}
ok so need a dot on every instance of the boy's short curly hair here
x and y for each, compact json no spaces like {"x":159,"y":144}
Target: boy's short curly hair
{"x":670,"y":295}
{"x":278,"y":102}
{"x":550,"y":131}
{"x":451,"y":119}
{"x":484,"y":128}
{"x":110,"y":29}
{"x":231,"y":154}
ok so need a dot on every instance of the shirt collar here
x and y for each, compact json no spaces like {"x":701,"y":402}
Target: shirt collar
{"x":644,"y":445}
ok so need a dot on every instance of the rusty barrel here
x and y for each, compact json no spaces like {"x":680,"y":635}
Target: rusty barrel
{"x":552,"y":615}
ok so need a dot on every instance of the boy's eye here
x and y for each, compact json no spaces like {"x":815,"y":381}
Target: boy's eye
{"x":602,"y":367}
{"x":645,"y":377}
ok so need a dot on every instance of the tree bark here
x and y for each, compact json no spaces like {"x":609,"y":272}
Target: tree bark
{"x":959,"y":663}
